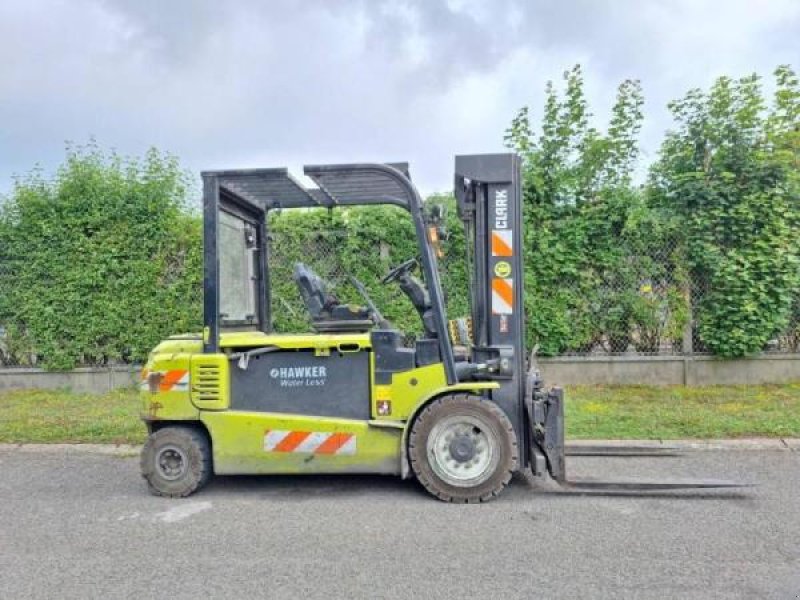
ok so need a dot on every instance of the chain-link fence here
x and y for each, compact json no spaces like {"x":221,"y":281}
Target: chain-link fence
{"x":325,"y":252}
{"x":650,"y":304}
{"x":622,"y":300}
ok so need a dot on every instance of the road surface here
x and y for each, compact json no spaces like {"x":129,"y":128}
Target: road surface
{"x":82,"y":525}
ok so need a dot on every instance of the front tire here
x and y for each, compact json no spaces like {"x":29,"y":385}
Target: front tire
{"x":176,"y":461}
{"x":463,"y":448}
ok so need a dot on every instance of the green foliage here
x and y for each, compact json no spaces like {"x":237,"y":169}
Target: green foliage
{"x":673,"y":412}
{"x":363,"y":242}
{"x":727,"y":179}
{"x":591,"y":277}
{"x":101,"y":263}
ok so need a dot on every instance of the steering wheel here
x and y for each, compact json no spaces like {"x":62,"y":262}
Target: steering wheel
{"x":400,"y":270}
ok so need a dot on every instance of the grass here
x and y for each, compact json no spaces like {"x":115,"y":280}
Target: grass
{"x":52,"y":416}
{"x":593,"y":412}
{"x":647,"y":412}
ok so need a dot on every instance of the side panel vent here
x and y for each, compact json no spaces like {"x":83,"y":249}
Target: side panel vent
{"x":210,"y":381}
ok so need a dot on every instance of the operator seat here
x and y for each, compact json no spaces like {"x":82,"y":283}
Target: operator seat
{"x":327,"y":313}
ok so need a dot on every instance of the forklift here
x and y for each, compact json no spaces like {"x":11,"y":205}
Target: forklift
{"x":352,"y":396}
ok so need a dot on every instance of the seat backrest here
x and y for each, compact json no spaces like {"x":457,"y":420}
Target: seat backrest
{"x":312,"y":290}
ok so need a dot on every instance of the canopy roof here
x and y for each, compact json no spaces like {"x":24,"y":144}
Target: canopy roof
{"x":337,"y":185}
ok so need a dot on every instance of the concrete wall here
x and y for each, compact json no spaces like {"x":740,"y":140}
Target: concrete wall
{"x":649,"y":370}
{"x":670,"y":370}
{"x":90,"y":380}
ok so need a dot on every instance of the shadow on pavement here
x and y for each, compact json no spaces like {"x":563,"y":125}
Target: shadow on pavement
{"x":294,"y":487}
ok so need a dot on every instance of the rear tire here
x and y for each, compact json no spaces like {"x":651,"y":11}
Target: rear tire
{"x":176,"y":461}
{"x":463,"y":448}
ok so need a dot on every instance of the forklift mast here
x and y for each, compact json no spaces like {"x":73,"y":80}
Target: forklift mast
{"x":489,"y":198}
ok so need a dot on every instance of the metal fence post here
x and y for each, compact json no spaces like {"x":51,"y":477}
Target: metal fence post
{"x":687,"y":344}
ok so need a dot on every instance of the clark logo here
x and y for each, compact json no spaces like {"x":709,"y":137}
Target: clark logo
{"x":501,"y":209}
{"x":299,"y":376}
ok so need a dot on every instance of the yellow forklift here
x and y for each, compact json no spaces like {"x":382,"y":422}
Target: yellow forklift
{"x":352,"y":396}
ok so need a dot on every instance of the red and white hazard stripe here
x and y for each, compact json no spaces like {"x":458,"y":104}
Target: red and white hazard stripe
{"x":310,"y":442}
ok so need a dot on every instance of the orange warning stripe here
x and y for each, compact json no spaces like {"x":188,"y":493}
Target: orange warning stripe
{"x":292,"y":441}
{"x":503,"y":289}
{"x":333,"y":443}
{"x":170,"y":378}
{"x":310,"y":442}
{"x":499,"y":246}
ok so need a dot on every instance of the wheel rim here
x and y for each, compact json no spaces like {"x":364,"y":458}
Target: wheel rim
{"x":171,"y":462}
{"x":463,"y":451}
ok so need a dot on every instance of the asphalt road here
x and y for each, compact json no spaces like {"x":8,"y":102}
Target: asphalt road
{"x":77,"y":525}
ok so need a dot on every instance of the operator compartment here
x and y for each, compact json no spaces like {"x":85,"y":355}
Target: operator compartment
{"x":327,"y":312}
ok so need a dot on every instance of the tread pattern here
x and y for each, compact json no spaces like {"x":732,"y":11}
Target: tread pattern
{"x":446,"y":406}
{"x":198,"y":448}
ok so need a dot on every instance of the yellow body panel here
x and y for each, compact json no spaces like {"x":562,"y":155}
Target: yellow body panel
{"x":238,"y":444}
{"x":241,"y":339}
{"x":210,"y":381}
{"x":410,"y":389}
{"x":173,"y":403}
{"x":238,"y":437}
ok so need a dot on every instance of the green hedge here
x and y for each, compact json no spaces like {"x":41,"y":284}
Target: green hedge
{"x":714,"y":230}
{"x":363,"y":242}
{"x":728,"y":179}
{"x":104,"y":260}
{"x":100,"y":263}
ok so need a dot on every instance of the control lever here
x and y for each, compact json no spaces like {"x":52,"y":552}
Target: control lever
{"x":380,"y":321}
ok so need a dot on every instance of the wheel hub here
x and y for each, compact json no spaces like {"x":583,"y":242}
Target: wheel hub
{"x":171,"y":462}
{"x":462,"y":448}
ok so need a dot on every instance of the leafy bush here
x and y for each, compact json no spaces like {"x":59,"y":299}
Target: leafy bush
{"x":728,"y":177}
{"x":363,"y":242}
{"x":591,"y":274}
{"x":101,"y":262}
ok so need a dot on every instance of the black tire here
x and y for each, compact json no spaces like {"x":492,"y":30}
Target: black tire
{"x":176,"y":461}
{"x":486,"y":421}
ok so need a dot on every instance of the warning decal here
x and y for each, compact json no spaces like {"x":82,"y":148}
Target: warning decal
{"x":310,"y":442}
{"x":502,"y":242}
{"x":502,"y":296}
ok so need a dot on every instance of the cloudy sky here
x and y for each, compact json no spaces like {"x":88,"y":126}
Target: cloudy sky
{"x":282,"y":83}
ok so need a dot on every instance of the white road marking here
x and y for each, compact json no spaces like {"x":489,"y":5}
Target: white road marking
{"x":182,"y":511}
{"x":128,"y":517}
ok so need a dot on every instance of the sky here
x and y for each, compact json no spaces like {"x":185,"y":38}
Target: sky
{"x":269,"y":83}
